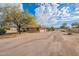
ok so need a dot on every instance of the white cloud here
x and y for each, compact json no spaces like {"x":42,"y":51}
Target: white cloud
{"x":71,"y":17}
{"x":65,"y":12}
{"x":76,"y":8}
{"x":46,"y":12}
{"x":51,"y":13}
{"x":54,"y":20}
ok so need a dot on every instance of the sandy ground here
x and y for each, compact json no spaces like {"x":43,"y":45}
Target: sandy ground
{"x":54,"y":43}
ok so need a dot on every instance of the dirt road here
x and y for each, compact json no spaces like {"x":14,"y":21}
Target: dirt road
{"x":40,"y":44}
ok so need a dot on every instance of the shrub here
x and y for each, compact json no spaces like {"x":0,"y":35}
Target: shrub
{"x":69,"y":31}
{"x":63,"y":30}
{"x":48,"y":29}
{"x":51,"y":28}
{"x":7,"y":28}
{"x":2,"y":31}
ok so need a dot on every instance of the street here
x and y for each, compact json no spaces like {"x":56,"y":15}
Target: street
{"x":54,"y":43}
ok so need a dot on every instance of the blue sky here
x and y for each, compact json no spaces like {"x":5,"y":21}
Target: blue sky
{"x":32,"y":6}
{"x":64,"y":8}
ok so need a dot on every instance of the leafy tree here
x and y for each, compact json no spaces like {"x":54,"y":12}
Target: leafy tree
{"x":51,"y":28}
{"x":15,"y":16}
{"x":2,"y":27}
{"x":63,"y":26}
{"x":76,"y":24}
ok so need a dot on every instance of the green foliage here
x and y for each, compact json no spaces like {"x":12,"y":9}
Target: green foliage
{"x":63,"y":26}
{"x":76,"y":24}
{"x":48,"y":29}
{"x":51,"y":28}
{"x":19,"y":18}
{"x":2,"y":31}
{"x":75,"y":27}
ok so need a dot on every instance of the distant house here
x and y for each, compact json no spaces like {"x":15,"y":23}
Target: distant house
{"x":30,"y":29}
{"x":12,"y":30}
{"x":36,"y":29}
{"x":42,"y":28}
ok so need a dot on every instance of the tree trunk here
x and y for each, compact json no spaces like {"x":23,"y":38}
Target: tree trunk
{"x":19,"y":29}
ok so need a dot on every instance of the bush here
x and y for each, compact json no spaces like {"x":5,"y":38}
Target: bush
{"x":2,"y":31}
{"x":48,"y":29}
{"x":51,"y":28}
{"x":69,"y":31}
{"x":7,"y":28}
{"x":63,"y":30}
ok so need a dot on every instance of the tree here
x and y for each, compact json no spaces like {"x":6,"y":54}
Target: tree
{"x":63,"y":26}
{"x":15,"y":16}
{"x":51,"y":28}
{"x":76,"y":24}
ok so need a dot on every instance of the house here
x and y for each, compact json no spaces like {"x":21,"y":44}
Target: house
{"x":35,"y":29}
{"x":12,"y":30}
{"x":29,"y":29}
{"x":32,"y":29}
{"x":42,"y":28}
